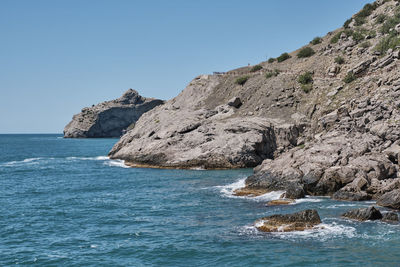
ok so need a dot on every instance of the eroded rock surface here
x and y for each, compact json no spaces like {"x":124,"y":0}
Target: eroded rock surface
{"x":364,"y":214}
{"x":110,"y":118}
{"x":299,"y":221}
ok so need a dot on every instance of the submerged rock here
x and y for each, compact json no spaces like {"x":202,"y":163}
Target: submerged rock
{"x":363,"y":214}
{"x":299,"y":221}
{"x":278,"y":202}
{"x":110,"y":118}
{"x":251,"y":192}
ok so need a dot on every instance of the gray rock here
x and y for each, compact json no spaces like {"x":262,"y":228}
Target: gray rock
{"x":110,"y":118}
{"x":363,"y":214}
{"x":390,"y":217}
{"x":390,"y":199}
{"x":235,"y":102}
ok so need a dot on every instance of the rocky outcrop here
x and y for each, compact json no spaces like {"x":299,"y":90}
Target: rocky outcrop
{"x":188,"y":131}
{"x":337,"y":135}
{"x":299,"y":221}
{"x":364,"y":214}
{"x":110,"y":118}
{"x":371,"y":214}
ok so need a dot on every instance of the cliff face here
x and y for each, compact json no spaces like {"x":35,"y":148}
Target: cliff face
{"x":110,"y":118}
{"x":323,"y":120}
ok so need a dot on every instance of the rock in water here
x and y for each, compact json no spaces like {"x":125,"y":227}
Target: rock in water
{"x":364,"y":214}
{"x":390,"y":217}
{"x":110,"y":118}
{"x":299,"y":221}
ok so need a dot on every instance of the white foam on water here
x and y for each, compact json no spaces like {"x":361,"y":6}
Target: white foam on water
{"x":88,"y":158}
{"x":229,"y":191}
{"x":322,"y":232}
{"x":21,"y":162}
{"x":307,"y":199}
{"x":116,"y":163}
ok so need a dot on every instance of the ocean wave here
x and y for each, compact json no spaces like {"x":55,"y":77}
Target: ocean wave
{"x":229,"y":191}
{"x":107,"y":161}
{"x":21,"y":162}
{"x":116,"y":163}
{"x":321,"y":232}
{"x":89,"y":158}
{"x":307,"y":199}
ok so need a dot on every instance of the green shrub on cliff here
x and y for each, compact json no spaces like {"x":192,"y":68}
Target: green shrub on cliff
{"x":271,"y":60}
{"x":316,"y":40}
{"x":339,"y":60}
{"x":305,"y":78}
{"x":306,"y":87}
{"x":305,"y":52}
{"x":381,"y":18}
{"x":273,"y":73}
{"x":256,"y":68}
{"x":349,"y":77}
{"x":347,"y":23}
{"x":283,"y":57}
{"x":388,"y":42}
{"x":242,"y":80}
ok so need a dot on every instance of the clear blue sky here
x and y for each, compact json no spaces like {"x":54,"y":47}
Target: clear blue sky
{"x":59,"y":56}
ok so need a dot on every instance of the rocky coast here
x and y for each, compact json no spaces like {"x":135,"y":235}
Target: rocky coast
{"x":323,"y":120}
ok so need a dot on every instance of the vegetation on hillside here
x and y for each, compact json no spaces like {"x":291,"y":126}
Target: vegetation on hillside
{"x":242,"y":80}
{"x":305,"y":52}
{"x":273,"y":73}
{"x":256,"y":68}
{"x":283,"y":57}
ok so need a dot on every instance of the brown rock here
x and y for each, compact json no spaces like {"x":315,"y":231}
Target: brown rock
{"x":299,"y":221}
{"x":278,"y":202}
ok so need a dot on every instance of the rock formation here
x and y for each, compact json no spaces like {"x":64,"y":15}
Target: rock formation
{"x":322,"y":124}
{"x":299,"y":221}
{"x":371,"y":214}
{"x":364,"y":214}
{"x":110,"y":118}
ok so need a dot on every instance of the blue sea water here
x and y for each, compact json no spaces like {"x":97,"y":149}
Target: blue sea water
{"x":64,"y":203}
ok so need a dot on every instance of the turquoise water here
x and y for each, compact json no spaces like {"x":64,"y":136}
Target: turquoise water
{"x":63,"y":203}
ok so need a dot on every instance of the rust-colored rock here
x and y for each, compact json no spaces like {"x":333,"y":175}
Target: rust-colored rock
{"x":299,"y":221}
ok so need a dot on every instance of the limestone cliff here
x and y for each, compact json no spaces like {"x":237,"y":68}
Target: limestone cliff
{"x":110,"y":118}
{"x":322,"y":120}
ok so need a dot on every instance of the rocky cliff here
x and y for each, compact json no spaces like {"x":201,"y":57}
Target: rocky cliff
{"x":110,"y":118}
{"x":322,"y":120}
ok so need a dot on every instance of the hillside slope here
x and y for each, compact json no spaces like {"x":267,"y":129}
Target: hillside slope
{"x":202,"y":128}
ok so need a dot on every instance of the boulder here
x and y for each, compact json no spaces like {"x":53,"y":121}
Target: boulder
{"x":363,"y":214}
{"x":390,"y":217}
{"x":299,"y":221}
{"x":390,"y":199}
{"x":235,"y":102}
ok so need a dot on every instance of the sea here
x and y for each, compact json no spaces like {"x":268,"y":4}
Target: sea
{"x":63,"y":202}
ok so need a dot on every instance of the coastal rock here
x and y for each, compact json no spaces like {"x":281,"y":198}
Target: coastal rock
{"x":110,"y":118}
{"x":363,"y":214}
{"x":278,"y":202}
{"x":391,"y":217}
{"x":390,"y":199}
{"x":299,"y":221}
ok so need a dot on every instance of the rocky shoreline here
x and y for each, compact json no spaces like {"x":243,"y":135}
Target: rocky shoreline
{"x":322,"y":121}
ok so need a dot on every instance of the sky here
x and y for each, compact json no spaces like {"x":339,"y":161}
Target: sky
{"x":57,"y":57}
